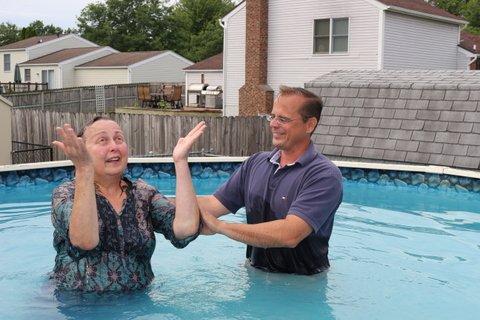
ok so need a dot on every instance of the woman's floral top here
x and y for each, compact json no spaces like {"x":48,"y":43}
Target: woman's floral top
{"x":121,"y":261}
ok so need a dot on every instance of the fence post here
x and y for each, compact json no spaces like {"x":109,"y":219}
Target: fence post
{"x":115,"y":102}
{"x":80,"y":97}
{"x":42,"y":100}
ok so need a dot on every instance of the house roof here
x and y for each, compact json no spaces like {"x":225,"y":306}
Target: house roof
{"x":61,"y":55}
{"x":213,"y":63}
{"x":420,"y":6}
{"x":470,"y":42}
{"x":121,"y":59}
{"x":22,"y":44}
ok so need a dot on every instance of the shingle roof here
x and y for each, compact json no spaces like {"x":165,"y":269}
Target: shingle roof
{"x":121,"y":59}
{"x":61,"y":55}
{"x":470,"y":42}
{"x":22,"y":44}
{"x":420,"y":6}
{"x":213,"y":63}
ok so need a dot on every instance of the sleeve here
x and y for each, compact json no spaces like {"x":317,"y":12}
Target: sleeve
{"x":62,"y":205}
{"x":318,"y":200}
{"x":163,"y":213}
{"x":231,"y":194}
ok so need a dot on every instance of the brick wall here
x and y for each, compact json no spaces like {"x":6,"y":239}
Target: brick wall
{"x":418,"y":117}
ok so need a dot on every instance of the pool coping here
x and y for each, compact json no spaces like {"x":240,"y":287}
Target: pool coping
{"x":341,"y":164}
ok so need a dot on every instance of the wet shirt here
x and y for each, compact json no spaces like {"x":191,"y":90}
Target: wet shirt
{"x":311,"y":188}
{"x":121,"y":260}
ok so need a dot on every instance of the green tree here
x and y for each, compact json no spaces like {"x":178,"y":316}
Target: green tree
{"x":196,"y":31}
{"x":126,"y":25}
{"x":452,"y":6}
{"x":38,"y":28}
{"x":9,"y":33}
{"x":471,"y":12}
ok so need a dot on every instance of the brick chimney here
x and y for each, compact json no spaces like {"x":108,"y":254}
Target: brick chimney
{"x":256,"y":96}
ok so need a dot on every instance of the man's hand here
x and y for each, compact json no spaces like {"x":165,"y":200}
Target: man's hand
{"x":210,"y":224}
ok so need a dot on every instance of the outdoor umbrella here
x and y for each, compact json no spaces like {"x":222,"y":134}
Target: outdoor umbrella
{"x":17,"y":77}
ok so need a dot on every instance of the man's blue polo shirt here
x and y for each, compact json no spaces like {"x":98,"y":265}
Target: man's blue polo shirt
{"x":311,"y":189}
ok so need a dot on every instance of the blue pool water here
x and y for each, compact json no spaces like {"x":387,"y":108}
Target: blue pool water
{"x":396,"y":253}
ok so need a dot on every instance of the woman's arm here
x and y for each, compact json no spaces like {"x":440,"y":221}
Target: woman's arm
{"x":187,"y":213}
{"x":83,"y":226}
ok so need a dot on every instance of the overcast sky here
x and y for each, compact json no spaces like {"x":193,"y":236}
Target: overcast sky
{"x":61,"y":13}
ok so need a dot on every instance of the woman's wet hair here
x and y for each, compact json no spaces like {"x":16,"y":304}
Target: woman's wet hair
{"x":89,"y":123}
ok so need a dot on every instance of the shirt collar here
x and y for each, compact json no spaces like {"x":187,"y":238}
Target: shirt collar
{"x":304,"y":159}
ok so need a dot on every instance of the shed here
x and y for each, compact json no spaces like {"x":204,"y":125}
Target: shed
{"x":5,"y":131}
{"x":208,"y":71}
{"x":132,"y":67}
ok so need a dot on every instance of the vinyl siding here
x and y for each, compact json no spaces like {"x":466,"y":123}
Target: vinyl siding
{"x":15,"y":58}
{"x":5,"y":133}
{"x":68,"y":71}
{"x":98,"y":77}
{"x":167,"y":68}
{"x":290,"y":43}
{"x":463,"y":59}
{"x":56,"y":45}
{"x":212,"y":78}
{"x":417,"y":43}
{"x":234,"y":60}
{"x":36,"y":74}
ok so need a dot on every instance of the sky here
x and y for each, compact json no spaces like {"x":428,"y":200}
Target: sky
{"x":60,"y":13}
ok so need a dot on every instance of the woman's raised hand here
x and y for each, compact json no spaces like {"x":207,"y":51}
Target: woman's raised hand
{"x":73,"y":146}
{"x":184,"y":145}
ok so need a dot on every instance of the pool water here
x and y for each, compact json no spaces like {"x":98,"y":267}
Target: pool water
{"x":396,"y":253}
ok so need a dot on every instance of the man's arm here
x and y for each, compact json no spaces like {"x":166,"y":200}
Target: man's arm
{"x":284,"y":233}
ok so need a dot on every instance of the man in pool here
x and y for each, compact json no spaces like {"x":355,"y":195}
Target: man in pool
{"x":290,"y":194}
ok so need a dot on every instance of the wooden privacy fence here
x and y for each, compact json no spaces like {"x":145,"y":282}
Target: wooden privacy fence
{"x":81,"y":99}
{"x":149,"y":135}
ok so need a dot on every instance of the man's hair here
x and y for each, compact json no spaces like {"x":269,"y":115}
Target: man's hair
{"x":89,"y":123}
{"x":312,"y":108}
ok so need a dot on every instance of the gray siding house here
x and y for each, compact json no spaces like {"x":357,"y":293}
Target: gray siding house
{"x":308,"y":38}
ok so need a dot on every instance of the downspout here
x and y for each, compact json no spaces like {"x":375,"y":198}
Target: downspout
{"x":223,"y":24}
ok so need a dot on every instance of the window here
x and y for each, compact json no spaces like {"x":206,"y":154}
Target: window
{"x":27,"y":75}
{"x":6,"y":62}
{"x":48,"y":77}
{"x":330,"y":35}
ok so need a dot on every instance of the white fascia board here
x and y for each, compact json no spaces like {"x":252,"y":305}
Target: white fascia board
{"x":236,"y":10}
{"x":466,"y":52}
{"x":161,"y":55}
{"x":381,"y":38}
{"x":204,"y":71}
{"x":88,"y":54}
{"x":106,"y":67}
{"x":425,"y":15}
{"x":376,"y":4}
{"x":38,"y":64}
{"x":11,"y":50}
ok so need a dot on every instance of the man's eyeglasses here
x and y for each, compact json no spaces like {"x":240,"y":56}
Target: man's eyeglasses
{"x":279,"y":119}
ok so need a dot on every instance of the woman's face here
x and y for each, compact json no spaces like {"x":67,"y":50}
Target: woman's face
{"x":106,"y":146}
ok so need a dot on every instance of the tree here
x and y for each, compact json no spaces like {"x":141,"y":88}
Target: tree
{"x":471,"y":12}
{"x":452,"y":6}
{"x":196,"y":31}
{"x":38,"y":28}
{"x":126,"y":25}
{"x":9,"y":33}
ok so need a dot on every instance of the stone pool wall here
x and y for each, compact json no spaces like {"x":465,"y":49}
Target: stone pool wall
{"x":224,"y":170}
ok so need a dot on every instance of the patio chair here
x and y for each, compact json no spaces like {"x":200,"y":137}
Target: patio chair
{"x":143,"y":91}
{"x":173,"y":95}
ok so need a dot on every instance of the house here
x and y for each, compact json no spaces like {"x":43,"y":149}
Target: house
{"x":132,"y":67}
{"x":470,"y":50}
{"x":269,"y":43}
{"x":209,"y":71}
{"x":33,"y":48}
{"x":5,"y":131}
{"x":57,"y":68}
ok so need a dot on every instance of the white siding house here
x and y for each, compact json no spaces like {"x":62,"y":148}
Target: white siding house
{"x":35,"y":47}
{"x":57,"y":69}
{"x":208,"y":71}
{"x":308,"y":38}
{"x":132,"y":67}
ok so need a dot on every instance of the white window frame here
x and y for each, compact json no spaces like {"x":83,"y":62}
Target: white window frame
{"x":9,"y":62}
{"x":29,"y":75}
{"x":330,"y":37}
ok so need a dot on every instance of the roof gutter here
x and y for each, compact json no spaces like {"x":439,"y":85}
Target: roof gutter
{"x":425,"y":15}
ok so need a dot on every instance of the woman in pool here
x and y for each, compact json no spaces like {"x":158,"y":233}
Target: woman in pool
{"x":104,"y":223}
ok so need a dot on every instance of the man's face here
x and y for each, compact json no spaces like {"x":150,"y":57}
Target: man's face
{"x":288,"y":128}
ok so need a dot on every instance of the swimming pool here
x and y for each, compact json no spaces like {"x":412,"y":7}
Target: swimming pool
{"x":397,"y":252}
